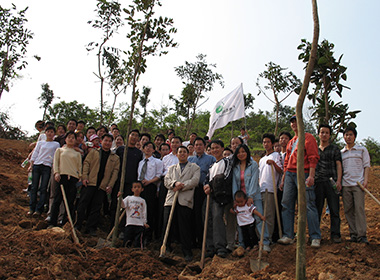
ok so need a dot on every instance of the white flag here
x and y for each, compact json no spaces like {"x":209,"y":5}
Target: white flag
{"x":229,"y":109}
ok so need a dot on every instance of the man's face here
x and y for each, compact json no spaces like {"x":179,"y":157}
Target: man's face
{"x":267,"y":144}
{"x":71,"y":126}
{"x":234,"y":143}
{"x":175,"y":144}
{"x":148,"y":150}
{"x":80,"y":126}
{"x":101,"y":132}
{"x":284,"y":139}
{"x":191,"y":149}
{"x":349,"y":137}
{"x":182,"y":155}
{"x":324,"y":134}
{"x":226,"y":153}
{"x":115,"y":133}
{"x":90,"y":132}
{"x":164,"y":150}
{"x":143,"y":140}
{"x":106,"y":143}
{"x":293,"y":125}
{"x":217,"y":150}
{"x":192,"y":138}
{"x":60,"y":130}
{"x":133,"y":138}
{"x":199,"y":147}
{"x":119,"y":141}
{"x":277,"y":147}
{"x":158,"y":141}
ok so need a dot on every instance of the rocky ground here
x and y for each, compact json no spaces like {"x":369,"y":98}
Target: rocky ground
{"x":30,"y":251}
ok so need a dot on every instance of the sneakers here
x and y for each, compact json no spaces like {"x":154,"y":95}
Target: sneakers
{"x":316,"y":243}
{"x":188,"y":258}
{"x":222,"y":254}
{"x":266,"y":248}
{"x":285,"y":240}
{"x":363,"y":240}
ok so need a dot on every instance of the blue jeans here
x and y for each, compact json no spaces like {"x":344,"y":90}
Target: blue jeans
{"x":40,"y":179}
{"x":288,"y":207}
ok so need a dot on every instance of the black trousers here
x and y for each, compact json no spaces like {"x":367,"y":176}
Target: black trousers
{"x":133,"y":235}
{"x":249,"y":235}
{"x":151,"y":199}
{"x":182,"y":223}
{"x":161,"y":201}
{"x":91,"y":200}
{"x":276,"y":233}
{"x":197,"y":219}
{"x":70,"y":188}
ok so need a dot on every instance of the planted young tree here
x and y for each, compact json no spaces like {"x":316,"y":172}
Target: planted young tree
{"x":148,"y":36}
{"x":46,"y":98}
{"x":14,"y":39}
{"x":108,"y":21}
{"x":144,"y":100}
{"x":301,"y":225}
{"x":279,"y":82}
{"x":198,"y":78}
{"x":327,"y":77}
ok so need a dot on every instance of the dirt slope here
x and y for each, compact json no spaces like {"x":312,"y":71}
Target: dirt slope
{"x":28,"y":251}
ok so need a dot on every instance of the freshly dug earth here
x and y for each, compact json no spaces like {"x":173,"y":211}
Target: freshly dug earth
{"x":30,"y":251}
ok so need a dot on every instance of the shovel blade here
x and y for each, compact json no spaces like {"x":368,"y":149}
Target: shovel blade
{"x":102,"y":243}
{"x":257,"y":265}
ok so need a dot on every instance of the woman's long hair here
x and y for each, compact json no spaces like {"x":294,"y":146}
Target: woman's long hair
{"x":235,"y":160}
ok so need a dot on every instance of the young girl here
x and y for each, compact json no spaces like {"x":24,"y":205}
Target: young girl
{"x":67,"y":171}
{"x":245,"y":219}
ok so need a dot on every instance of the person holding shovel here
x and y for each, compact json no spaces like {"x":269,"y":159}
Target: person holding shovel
{"x":356,"y":165}
{"x":67,"y":172}
{"x":183,"y":178}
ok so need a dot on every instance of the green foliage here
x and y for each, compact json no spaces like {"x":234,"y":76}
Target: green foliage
{"x":326,"y":78}
{"x":373,"y":148}
{"x":63,"y":111}
{"x":278,"y":81}
{"x":198,"y":78}
{"x":46,"y":98}
{"x":108,"y":21}
{"x":14,"y":39}
{"x":144,"y":100}
{"x":7,"y":130}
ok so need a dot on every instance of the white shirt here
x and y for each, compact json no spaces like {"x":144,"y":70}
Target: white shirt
{"x":168,"y":161}
{"x":244,"y":215}
{"x":354,"y":161}
{"x":217,"y":168}
{"x":154,"y":168}
{"x":265,"y":175}
{"x":44,"y":152}
{"x":135,"y":210}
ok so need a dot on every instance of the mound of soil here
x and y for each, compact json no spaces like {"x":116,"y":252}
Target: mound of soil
{"x":30,"y":251}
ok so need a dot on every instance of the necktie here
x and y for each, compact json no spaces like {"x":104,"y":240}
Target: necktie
{"x":143,"y":169}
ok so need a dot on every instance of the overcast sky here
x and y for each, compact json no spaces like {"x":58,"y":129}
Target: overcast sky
{"x":240,"y":36}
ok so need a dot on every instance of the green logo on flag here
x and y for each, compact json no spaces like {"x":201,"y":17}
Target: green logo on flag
{"x":219,"y":108}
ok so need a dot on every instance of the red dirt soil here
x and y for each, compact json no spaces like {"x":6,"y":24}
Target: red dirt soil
{"x":30,"y":251}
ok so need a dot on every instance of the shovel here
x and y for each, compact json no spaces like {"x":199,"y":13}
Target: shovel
{"x":276,"y":203}
{"x":368,"y":192}
{"x":256,"y":265}
{"x":102,"y":243}
{"x":162,"y":256}
{"x":75,"y":237}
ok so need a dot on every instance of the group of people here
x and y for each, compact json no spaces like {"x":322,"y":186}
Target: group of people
{"x":162,"y":172}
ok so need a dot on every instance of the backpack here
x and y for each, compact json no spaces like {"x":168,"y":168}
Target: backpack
{"x":221,"y":184}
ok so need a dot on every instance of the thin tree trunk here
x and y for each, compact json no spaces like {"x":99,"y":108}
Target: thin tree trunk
{"x":301,"y":226}
{"x":129,"y":128}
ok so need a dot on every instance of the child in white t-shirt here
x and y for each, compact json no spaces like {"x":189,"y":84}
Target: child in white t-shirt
{"x":245,"y":219}
{"x":136,"y":215}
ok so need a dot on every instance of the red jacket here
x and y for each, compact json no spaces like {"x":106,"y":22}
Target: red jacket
{"x":311,"y":154}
